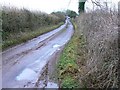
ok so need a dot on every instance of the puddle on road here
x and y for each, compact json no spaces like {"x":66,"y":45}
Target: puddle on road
{"x":49,"y":85}
{"x":56,"y":45}
{"x":27,"y":74}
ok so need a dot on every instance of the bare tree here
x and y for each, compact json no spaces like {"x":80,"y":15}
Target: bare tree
{"x":97,"y":3}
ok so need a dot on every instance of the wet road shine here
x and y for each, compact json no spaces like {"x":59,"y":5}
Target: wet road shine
{"x":22,"y":65}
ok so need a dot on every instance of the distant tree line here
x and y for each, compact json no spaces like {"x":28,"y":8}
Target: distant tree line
{"x":71,"y":13}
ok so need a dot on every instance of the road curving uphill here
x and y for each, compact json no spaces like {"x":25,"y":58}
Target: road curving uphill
{"x":24,"y":64}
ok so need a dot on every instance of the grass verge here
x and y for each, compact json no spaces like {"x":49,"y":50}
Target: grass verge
{"x":68,"y":70}
{"x":17,"y":38}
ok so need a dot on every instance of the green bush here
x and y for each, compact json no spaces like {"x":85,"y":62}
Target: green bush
{"x":17,"y":21}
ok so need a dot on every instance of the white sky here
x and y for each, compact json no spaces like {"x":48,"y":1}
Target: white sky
{"x":47,"y":6}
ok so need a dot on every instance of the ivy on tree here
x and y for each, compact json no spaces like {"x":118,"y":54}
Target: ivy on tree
{"x":81,"y":5}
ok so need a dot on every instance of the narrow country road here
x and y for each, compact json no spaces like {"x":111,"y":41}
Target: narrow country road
{"x":23,"y":64}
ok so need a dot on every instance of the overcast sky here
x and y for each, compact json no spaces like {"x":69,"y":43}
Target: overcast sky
{"x":47,"y":6}
{"x":43,"y":5}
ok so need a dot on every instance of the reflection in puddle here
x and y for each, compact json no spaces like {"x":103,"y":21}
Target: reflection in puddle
{"x":56,"y":45}
{"x":27,"y":74}
{"x":51,"y":85}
